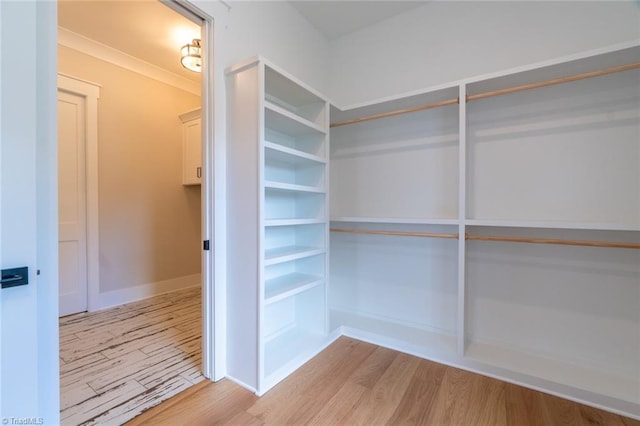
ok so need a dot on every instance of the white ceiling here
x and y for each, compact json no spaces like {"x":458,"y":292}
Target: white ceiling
{"x":336,"y":18}
{"x":154,"y":33}
{"x":147,"y":30}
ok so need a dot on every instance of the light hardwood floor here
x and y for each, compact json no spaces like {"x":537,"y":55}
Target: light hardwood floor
{"x":117,"y":363}
{"x":356,"y":383}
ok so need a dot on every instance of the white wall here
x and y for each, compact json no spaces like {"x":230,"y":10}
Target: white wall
{"x":274,"y":30}
{"x":149,"y":221}
{"x":443,"y":42}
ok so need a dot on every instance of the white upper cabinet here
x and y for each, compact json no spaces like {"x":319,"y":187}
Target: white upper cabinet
{"x":191,"y":148}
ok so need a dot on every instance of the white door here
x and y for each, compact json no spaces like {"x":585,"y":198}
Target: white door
{"x":29,"y":378}
{"x":72,"y":230}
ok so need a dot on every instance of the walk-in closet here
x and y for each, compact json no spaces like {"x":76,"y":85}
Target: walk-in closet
{"x":491,"y":224}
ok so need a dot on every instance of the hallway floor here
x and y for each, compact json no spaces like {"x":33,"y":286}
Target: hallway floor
{"x":117,"y":363}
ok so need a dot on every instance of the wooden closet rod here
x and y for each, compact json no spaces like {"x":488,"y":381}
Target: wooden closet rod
{"x":553,"y":82}
{"x":396,"y":112}
{"x":493,"y":93}
{"x":396,"y":233}
{"x":585,"y":243}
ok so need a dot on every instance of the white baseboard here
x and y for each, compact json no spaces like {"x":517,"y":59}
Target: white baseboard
{"x":131,"y":294}
{"x":240,"y":383}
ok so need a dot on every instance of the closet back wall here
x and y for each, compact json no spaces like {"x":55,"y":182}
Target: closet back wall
{"x":442,"y":42}
{"x":149,"y":221}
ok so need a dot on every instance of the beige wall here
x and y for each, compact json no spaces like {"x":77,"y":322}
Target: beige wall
{"x":149,"y":221}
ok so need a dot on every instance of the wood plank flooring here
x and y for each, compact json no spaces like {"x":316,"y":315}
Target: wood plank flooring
{"x":356,"y":383}
{"x":117,"y":363}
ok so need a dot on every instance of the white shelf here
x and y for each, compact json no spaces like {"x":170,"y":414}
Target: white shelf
{"x":286,"y":122}
{"x":396,"y":220}
{"x":293,"y":203}
{"x":313,"y":144}
{"x":407,"y":338}
{"x":289,"y":285}
{"x":293,"y":187}
{"x":290,"y":222}
{"x":381,"y":106}
{"x":293,"y":95}
{"x":599,"y":382}
{"x":285,"y":154}
{"x":286,"y":254}
{"x":576,"y":64}
{"x":493,"y":223}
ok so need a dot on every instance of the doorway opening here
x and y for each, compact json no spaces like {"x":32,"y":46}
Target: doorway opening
{"x":152,"y":222}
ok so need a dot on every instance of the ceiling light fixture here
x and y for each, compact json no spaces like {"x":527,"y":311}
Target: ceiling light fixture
{"x":191,"y":58}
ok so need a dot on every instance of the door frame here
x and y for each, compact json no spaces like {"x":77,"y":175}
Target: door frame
{"x":91,"y":93}
{"x":209,"y":309}
{"x":213,"y":309}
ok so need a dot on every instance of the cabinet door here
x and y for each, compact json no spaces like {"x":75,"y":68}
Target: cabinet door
{"x":192,"y":153}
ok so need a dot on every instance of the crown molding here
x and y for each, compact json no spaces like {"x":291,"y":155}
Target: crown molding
{"x":101,"y":51}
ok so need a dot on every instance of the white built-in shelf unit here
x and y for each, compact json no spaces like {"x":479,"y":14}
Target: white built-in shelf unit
{"x":494,"y":224}
{"x":278,"y":221}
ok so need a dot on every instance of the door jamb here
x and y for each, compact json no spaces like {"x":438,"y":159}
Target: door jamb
{"x":212,"y":308}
